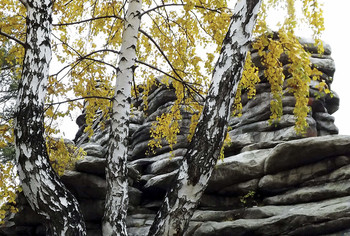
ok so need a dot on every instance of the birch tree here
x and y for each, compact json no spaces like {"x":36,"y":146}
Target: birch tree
{"x":44,"y":191}
{"x":116,"y":204}
{"x":204,"y":149}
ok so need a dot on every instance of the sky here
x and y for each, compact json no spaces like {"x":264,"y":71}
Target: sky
{"x":337,"y":18}
{"x":337,"y":34}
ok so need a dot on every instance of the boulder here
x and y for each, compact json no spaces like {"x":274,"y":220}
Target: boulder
{"x":300,"y":152}
{"x":311,"y":193}
{"x":292,"y":177}
{"x":303,"y":219}
{"x":94,"y":149}
{"x":237,"y":169}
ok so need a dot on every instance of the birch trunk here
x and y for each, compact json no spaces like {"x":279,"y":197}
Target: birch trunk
{"x":44,"y":191}
{"x":203,"y":152}
{"x":116,"y":204}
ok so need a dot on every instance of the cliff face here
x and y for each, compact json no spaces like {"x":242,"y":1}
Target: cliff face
{"x":271,"y":182}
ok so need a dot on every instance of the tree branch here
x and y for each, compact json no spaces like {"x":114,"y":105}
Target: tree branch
{"x":161,"y":52}
{"x":77,"y":99}
{"x":173,"y":77}
{"x":177,"y":4}
{"x":12,"y":38}
{"x":87,"y":20}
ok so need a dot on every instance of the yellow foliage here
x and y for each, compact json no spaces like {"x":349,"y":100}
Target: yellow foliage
{"x":227,"y":142}
{"x":62,"y":156}
{"x":249,"y":79}
{"x":9,"y":187}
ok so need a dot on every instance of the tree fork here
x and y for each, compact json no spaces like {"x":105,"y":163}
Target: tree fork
{"x":204,"y":149}
{"x":44,"y":191}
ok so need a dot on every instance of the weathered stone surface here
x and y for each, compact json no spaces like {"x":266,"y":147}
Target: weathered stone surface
{"x":165,"y":156}
{"x":160,"y":97}
{"x":314,"y":218}
{"x":300,"y":152}
{"x":161,"y":181}
{"x":332,"y":102}
{"x":325,"y":65}
{"x":325,"y":122}
{"x":94,"y":149}
{"x":263,"y":126}
{"x":137,"y":231}
{"x":311,"y":193}
{"x":91,"y":164}
{"x":241,"y":188}
{"x":85,"y":185}
{"x":290,"y":178}
{"x":237,"y":169}
{"x":337,"y":175}
{"x":140,"y":149}
{"x":238,"y":141}
{"x":26,"y":216}
{"x":309,"y":45}
{"x":165,"y":165}
{"x":261,"y":145}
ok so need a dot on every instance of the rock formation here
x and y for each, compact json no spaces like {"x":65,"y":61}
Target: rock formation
{"x":272,"y":181}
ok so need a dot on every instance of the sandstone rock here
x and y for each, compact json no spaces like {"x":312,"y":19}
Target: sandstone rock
{"x":325,"y":65}
{"x":137,"y":231}
{"x":237,"y":169}
{"x":137,"y":117}
{"x":309,"y":45}
{"x":142,"y":162}
{"x":140,"y":149}
{"x":165,"y":165}
{"x":26,"y":216}
{"x":336,"y":175}
{"x":161,"y":181}
{"x":94,"y":149}
{"x":261,"y":145}
{"x":85,"y":185}
{"x":91,"y":164}
{"x":332,"y":102}
{"x":240,"y":189}
{"x":325,"y":122}
{"x":290,"y":178}
{"x":160,"y":97}
{"x":296,"y":153}
{"x":311,"y":193}
{"x":319,"y":218}
{"x":141,"y":134}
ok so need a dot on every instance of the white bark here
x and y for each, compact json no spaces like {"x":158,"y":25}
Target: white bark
{"x":116,"y":171}
{"x":41,"y":186}
{"x":202,"y":155}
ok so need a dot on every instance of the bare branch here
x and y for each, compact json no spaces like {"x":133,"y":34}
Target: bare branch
{"x":178,"y":4}
{"x":77,"y":99}
{"x":88,"y":20}
{"x":161,"y":51}
{"x":65,"y":43}
{"x":186,"y":84}
{"x":12,"y":38}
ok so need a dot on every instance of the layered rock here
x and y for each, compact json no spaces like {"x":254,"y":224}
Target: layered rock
{"x":272,"y":181}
